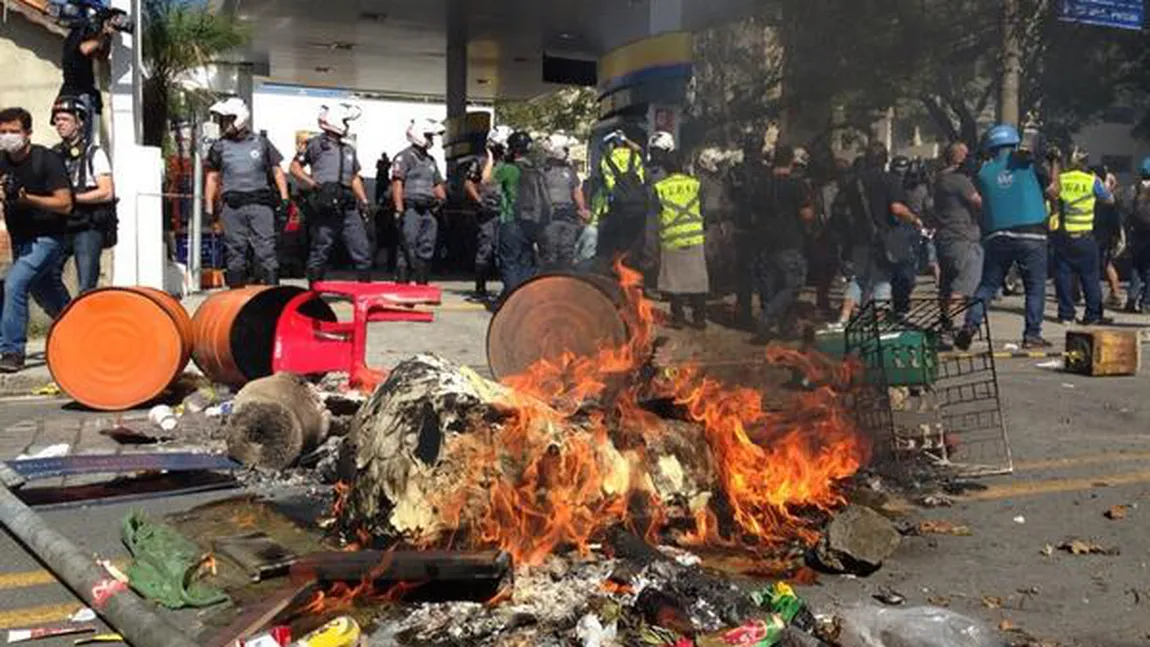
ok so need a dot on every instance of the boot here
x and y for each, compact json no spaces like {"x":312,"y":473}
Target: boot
{"x":235,"y":279}
{"x":272,"y":278}
{"x":422,"y":270}
{"x":363,"y":276}
{"x":402,"y":275}
{"x":313,"y":277}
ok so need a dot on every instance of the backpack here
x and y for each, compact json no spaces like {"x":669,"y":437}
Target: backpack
{"x":630,"y":196}
{"x":558,"y":180}
{"x":532,"y":203}
{"x":1139,"y":220}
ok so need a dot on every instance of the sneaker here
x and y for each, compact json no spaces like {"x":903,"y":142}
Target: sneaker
{"x":1099,"y":321}
{"x":11,"y":362}
{"x":1065,"y":322}
{"x":1032,"y":343}
{"x":963,"y":338}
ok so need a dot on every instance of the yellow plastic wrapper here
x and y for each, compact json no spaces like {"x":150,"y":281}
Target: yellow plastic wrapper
{"x":340,"y":632}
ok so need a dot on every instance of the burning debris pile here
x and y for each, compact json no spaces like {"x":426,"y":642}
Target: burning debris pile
{"x":552,"y":464}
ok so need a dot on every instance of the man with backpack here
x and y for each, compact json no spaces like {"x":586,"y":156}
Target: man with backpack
{"x":1137,"y":218}
{"x":627,"y":199}
{"x":244,"y":172}
{"x":884,"y":231}
{"x":565,"y":206}
{"x":92,"y":223}
{"x":487,"y":198}
{"x":521,"y":183}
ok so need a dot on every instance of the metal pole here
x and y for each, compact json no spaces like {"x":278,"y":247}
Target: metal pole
{"x":134,"y":619}
{"x":138,"y":70}
{"x":196,"y":226}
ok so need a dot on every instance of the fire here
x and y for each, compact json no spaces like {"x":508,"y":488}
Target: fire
{"x":547,"y":487}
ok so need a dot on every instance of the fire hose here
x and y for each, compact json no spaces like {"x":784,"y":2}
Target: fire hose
{"x":135,"y":620}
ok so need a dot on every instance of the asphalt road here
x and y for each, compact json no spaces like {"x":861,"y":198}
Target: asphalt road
{"x":1079,"y":445}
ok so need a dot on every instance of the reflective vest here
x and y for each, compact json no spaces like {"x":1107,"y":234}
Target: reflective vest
{"x":1077,"y":198}
{"x":680,"y":217}
{"x":623,"y":157}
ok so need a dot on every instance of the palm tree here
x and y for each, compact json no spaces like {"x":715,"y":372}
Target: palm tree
{"x":179,"y":36}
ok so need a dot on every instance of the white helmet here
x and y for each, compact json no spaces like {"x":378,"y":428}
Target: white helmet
{"x":556,"y":146}
{"x":661,"y":140}
{"x":498,"y":135}
{"x":334,"y":119}
{"x":710,"y":158}
{"x":419,"y":132}
{"x":233,"y":107}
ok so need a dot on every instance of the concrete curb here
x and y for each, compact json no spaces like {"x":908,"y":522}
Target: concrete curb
{"x":17,"y":384}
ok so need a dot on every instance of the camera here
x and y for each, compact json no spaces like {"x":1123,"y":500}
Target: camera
{"x":9,"y":189}
{"x":90,"y":15}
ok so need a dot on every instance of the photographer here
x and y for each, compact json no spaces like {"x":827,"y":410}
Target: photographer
{"x":37,"y":200}
{"x":89,"y":39}
{"x":92,"y":223}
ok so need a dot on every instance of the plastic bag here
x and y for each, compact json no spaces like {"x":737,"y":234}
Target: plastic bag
{"x":874,"y":626}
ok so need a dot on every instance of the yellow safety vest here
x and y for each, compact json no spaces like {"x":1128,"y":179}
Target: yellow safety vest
{"x":1077,"y":198}
{"x":622,"y":157}
{"x":680,"y":217}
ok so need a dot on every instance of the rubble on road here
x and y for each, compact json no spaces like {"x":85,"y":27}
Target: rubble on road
{"x":857,"y":540}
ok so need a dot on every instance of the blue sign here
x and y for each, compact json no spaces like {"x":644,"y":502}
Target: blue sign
{"x":1120,"y":14}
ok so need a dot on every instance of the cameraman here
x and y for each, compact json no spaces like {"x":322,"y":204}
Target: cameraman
{"x":88,"y":40}
{"x":92,"y":224}
{"x":37,"y":200}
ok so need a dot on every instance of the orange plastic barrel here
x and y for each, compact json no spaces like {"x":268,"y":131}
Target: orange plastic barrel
{"x":233,"y":332}
{"x":117,"y":348}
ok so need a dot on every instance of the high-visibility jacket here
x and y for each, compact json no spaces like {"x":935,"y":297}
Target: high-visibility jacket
{"x":680,"y":216}
{"x":623,"y":157}
{"x":1077,"y":199}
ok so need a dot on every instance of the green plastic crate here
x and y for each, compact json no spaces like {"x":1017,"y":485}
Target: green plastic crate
{"x":909,"y":358}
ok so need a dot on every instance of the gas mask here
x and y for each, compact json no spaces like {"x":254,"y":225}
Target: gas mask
{"x":12,"y":142}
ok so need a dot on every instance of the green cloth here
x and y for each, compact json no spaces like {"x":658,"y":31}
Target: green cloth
{"x":507,"y":177}
{"x":164,"y":565}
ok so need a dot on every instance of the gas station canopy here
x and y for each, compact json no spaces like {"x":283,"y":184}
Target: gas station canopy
{"x":514,"y":48}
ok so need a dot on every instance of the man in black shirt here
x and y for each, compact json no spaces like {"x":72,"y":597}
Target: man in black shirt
{"x":37,"y":199}
{"x":82,"y":47}
{"x":781,"y":267}
{"x":883,"y":230}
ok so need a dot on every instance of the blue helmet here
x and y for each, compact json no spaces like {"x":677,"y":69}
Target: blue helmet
{"x":1001,"y":136}
{"x":1145,"y":168}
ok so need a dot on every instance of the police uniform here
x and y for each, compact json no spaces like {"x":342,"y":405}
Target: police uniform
{"x":1076,"y":251}
{"x":245,"y":165}
{"x":334,"y":165}
{"x":558,"y":239}
{"x":486,"y":220}
{"x":682,"y":251}
{"x":419,"y":173}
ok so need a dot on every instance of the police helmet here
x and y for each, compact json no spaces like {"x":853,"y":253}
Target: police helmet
{"x":900,"y":164}
{"x":661,"y":140}
{"x":335,"y":119}
{"x":71,"y":105}
{"x":519,"y":142}
{"x":232,"y":108}
{"x":499,"y":135}
{"x":802,"y":157}
{"x":1001,"y":136}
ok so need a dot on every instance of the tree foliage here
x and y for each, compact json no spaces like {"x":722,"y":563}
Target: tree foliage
{"x":569,"y":110}
{"x":179,"y":36}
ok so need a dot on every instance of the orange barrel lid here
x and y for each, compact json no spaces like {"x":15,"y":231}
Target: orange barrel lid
{"x":117,"y":348}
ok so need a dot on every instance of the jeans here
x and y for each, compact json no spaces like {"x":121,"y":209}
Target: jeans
{"x":780,"y":277}
{"x":1000,"y":253}
{"x":86,"y":247}
{"x":902,"y":282}
{"x":1136,"y":293}
{"x":868,"y":275}
{"x":34,"y":272}
{"x":1078,"y":256}
{"x":517,"y":252}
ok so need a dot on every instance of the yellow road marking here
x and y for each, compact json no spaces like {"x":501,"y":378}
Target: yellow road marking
{"x":40,"y":577}
{"x":44,"y":614}
{"x":1054,"y":486}
{"x":1090,"y":459}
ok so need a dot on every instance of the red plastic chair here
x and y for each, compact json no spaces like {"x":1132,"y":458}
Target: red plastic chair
{"x":305,"y":345}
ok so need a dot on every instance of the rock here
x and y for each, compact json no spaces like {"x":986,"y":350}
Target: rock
{"x":792,"y":637}
{"x":857,"y":541}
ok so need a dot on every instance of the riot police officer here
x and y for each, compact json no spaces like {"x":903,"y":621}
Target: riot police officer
{"x":244,"y":169}
{"x":337,"y":196}
{"x":486,"y":196}
{"x":417,"y":189}
{"x":568,"y":213}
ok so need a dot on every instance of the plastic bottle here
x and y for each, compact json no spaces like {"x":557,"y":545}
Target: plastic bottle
{"x":875,"y":626}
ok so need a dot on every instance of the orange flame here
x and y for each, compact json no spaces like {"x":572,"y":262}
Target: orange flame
{"x":552,"y":480}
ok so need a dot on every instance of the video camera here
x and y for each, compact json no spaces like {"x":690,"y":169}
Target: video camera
{"x":91,"y":15}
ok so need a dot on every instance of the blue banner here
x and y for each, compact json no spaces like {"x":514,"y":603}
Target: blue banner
{"x":1119,"y":14}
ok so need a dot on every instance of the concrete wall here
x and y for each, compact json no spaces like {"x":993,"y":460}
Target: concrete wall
{"x":30,"y":59}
